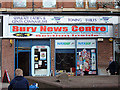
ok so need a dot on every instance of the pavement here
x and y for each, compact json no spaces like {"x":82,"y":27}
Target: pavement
{"x":4,"y":86}
{"x":74,"y":83}
{"x":78,"y":82}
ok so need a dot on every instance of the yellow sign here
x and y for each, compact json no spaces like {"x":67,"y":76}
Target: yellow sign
{"x":111,"y":39}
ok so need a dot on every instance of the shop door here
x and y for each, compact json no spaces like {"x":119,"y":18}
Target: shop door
{"x":23,"y":62}
{"x":40,"y":59}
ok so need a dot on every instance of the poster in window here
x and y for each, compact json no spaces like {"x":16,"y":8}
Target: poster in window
{"x":42,"y":55}
{"x":40,"y":63}
{"x":93,"y":55}
{"x":36,"y":66}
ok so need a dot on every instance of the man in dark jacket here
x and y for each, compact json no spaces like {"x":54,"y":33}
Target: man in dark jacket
{"x":19,"y":82}
{"x":113,"y":66}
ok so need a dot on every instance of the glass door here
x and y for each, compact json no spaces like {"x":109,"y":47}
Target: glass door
{"x":40,"y":61}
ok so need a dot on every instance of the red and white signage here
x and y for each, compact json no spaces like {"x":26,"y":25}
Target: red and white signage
{"x":58,"y":31}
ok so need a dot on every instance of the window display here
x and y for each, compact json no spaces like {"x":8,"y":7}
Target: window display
{"x":67,"y":61}
{"x":40,"y":59}
{"x":86,"y":61}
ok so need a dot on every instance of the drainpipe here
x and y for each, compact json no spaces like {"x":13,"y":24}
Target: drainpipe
{"x":32,"y":5}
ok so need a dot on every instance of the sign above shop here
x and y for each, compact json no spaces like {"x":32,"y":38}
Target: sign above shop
{"x":62,"y":19}
{"x":57,"y":31}
{"x":86,"y":43}
{"x":70,"y":44}
{"x":67,"y":44}
{"x":58,"y":28}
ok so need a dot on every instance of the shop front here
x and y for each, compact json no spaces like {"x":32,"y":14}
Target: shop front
{"x":43,"y":49}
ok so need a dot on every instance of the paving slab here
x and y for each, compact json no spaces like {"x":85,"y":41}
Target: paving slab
{"x":74,"y":83}
{"x":78,"y":82}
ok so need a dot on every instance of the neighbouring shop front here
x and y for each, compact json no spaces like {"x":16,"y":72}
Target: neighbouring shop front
{"x":45,"y":45}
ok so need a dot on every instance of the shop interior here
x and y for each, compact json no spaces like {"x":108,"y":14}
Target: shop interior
{"x":23,"y":62}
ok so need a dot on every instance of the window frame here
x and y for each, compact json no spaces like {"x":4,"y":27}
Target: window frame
{"x":92,"y":7}
{"x":48,"y":7}
{"x":19,"y":7}
{"x":115,"y":4}
{"x":80,"y":7}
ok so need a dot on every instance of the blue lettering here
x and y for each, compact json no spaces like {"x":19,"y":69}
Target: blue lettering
{"x":76,"y":20}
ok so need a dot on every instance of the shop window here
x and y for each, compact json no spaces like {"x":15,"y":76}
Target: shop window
{"x":92,"y":4}
{"x":89,"y":56}
{"x":19,"y":3}
{"x":65,"y":60}
{"x":80,"y":4}
{"x":49,"y":4}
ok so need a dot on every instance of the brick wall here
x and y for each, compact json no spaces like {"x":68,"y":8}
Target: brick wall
{"x":65,"y":4}
{"x":6,"y":4}
{"x":8,"y":57}
{"x":52,"y":56}
{"x":105,"y":51}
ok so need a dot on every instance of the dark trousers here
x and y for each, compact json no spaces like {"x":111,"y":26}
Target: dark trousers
{"x":112,"y":73}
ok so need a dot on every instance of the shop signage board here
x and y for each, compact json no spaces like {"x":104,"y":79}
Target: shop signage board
{"x":62,"y":19}
{"x":86,"y":43}
{"x":70,"y":44}
{"x":58,"y":31}
{"x":64,"y":44}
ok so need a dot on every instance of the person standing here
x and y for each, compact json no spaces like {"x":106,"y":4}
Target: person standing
{"x":19,"y":82}
{"x":113,"y":67}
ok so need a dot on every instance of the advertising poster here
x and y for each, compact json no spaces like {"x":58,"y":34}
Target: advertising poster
{"x":42,"y":55}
